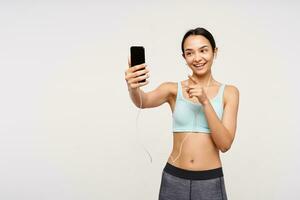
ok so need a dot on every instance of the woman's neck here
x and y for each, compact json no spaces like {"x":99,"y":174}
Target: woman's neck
{"x":204,"y":79}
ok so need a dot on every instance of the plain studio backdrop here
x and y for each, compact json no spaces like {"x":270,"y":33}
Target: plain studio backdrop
{"x":68,"y":126}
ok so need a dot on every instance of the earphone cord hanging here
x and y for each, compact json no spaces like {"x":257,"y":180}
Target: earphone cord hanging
{"x":195,"y":119}
{"x":136,"y":128}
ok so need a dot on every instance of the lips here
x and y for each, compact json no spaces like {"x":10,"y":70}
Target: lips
{"x":199,"y":66}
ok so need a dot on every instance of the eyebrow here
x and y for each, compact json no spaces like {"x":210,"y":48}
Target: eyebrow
{"x":199,"y":48}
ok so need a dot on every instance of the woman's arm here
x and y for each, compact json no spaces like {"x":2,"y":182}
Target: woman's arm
{"x":141,"y":99}
{"x":223,"y":132}
{"x":153,"y":98}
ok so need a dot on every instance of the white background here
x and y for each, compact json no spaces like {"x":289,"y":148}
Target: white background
{"x":68,"y":126}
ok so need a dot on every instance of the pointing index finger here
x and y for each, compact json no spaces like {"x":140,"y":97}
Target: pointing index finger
{"x":192,"y":79}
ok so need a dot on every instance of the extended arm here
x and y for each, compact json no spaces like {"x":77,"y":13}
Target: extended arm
{"x":223,"y":131}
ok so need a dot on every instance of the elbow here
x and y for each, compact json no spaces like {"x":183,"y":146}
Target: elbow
{"x":138,"y":106}
{"x":224,"y":149}
{"x":141,"y":106}
{"x":226,"y":146}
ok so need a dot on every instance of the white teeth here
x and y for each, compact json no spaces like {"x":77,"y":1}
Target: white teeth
{"x":199,"y":65}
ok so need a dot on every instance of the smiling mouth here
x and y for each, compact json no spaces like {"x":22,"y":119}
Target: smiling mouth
{"x":199,"y":66}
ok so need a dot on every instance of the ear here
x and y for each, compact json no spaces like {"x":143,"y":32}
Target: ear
{"x":183,"y":55}
{"x":215,"y":52}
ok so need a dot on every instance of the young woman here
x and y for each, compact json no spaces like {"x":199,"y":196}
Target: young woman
{"x":204,"y":121}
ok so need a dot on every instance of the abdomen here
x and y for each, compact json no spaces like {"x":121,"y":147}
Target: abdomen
{"x":198,"y":152}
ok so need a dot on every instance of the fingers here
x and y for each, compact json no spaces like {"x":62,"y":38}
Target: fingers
{"x":137,"y":67}
{"x":138,"y":73}
{"x":135,"y":75}
{"x":129,"y":61}
{"x":195,"y":89}
{"x":136,"y":85}
{"x":192,"y":79}
{"x":193,"y":94}
{"x":133,"y":69}
{"x":190,"y":88}
{"x":138,"y":79}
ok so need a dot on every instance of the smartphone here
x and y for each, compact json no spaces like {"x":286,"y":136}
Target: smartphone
{"x":137,"y":56}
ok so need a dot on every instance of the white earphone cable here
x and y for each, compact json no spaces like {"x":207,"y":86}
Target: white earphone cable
{"x":136,"y":128}
{"x":194,"y":123}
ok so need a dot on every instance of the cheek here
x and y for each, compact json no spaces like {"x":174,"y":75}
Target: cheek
{"x":189,"y":59}
{"x":208,"y":57}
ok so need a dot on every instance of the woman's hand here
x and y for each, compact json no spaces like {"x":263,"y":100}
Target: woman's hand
{"x":133,"y":75}
{"x":196,"y":90}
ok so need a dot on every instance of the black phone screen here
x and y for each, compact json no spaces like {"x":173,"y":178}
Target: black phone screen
{"x":137,"y":56}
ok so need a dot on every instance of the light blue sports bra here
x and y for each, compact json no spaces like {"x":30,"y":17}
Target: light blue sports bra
{"x":189,"y":116}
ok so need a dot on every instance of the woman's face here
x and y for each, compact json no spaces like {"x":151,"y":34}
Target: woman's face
{"x":198,"y":54}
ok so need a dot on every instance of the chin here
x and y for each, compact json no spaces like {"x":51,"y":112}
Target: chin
{"x":200,"y":72}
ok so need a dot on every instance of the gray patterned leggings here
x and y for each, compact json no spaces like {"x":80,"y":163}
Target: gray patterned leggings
{"x":182,"y":184}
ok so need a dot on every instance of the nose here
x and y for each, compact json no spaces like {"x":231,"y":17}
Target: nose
{"x":197,"y":57}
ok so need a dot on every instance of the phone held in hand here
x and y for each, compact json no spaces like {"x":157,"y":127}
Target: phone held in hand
{"x":137,"y":57}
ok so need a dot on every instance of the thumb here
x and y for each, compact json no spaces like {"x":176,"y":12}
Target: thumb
{"x":129,"y":61}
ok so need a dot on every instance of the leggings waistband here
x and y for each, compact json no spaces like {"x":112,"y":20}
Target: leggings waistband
{"x":194,"y":175}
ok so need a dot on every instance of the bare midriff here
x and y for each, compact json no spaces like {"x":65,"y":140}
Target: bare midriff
{"x":198,"y":152}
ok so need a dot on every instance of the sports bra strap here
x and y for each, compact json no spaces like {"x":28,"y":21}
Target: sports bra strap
{"x":222,"y":90}
{"x":221,"y":93}
{"x":179,"y":90}
{"x":180,"y":95}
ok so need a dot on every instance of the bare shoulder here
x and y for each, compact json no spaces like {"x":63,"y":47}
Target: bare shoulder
{"x":231,"y":89}
{"x":231,"y":93}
